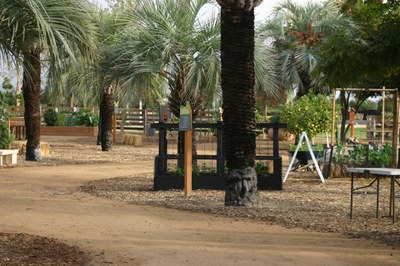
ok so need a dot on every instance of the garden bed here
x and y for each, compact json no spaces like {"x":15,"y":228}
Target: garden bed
{"x":82,"y":131}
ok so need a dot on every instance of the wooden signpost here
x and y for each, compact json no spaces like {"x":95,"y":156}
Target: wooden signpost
{"x":185,"y":124}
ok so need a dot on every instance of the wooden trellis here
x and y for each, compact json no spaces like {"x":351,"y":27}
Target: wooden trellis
{"x":395,"y":130}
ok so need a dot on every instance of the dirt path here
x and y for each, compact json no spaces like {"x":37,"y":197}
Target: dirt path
{"x":46,"y":201}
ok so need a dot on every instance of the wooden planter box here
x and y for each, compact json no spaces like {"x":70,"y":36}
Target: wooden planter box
{"x":80,"y":131}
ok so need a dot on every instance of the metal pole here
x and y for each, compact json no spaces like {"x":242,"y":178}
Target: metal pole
{"x":395,"y":133}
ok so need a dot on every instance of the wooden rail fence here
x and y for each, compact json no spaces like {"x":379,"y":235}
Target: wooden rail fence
{"x":126,"y":119}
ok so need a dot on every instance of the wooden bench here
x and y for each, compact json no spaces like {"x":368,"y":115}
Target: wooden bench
{"x":17,"y":127}
{"x":8,"y":157}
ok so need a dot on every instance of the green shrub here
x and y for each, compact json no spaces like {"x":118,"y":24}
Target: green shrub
{"x":6,"y":139}
{"x":62,"y":119}
{"x":310,"y":113}
{"x":50,"y":117}
{"x":83,"y":118}
{"x":380,"y":156}
{"x":261,"y":168}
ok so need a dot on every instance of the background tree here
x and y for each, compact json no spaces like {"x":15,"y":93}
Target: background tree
{"x":295,"y":32}
{"x":174,"y":44}
{"x":43,"y":29}
{"x":364,"y":56}
{"x":172,"y":51}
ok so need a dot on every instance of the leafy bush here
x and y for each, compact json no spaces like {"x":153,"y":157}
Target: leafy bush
{"x":6,"y":139}
{"x":310,"y":113}
{"x":82,"y":118}
{"x":50,"y":117}
{"x":382,"y":156}
{"x":62,"y":119}
{"x":261,"y":168}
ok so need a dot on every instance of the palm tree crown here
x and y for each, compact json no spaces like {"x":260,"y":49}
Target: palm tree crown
{"x":56,"y":29}
{"x":295,"y":32}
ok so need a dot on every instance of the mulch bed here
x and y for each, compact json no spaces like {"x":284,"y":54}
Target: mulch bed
{"x":23,"y":249}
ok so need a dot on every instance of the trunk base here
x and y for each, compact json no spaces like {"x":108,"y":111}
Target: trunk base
{"x":241,"y":188}
{"x":106,"y":144}
{"x":33,"y":152}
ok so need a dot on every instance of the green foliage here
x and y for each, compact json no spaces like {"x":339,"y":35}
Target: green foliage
{"x":367,"y":55}
{"x":50,"y":117}
{"x":195,"y":170}
{"x":311,"y":114}
{"x":304,"y":147}
{"x":261,"y":168}
{"x":259,"y":117}
{"x":368,"y":105}
{"x":6,"y":138}
{"x":8,"y":98}
{"x":389,"y":105}
{"x":176,"y":172}
{"x":7,"y":83}
{"x":63,"y":119}
{"x":380,"y":156}
{"x":81,"y":118}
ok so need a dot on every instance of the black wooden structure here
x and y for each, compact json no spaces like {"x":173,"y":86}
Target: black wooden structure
{"x":165,"y":181}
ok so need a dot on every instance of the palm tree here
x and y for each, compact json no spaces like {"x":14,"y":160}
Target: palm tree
{"x":175,"y":45}
{"x":44,"y":29}
{"x":174,"y":49}
{"x":295,"y":32}
{"x":238,"y":82}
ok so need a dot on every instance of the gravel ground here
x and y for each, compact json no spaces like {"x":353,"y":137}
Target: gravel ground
{"x":305,"y":203}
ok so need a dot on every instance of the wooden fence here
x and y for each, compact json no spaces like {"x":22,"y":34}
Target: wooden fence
{"x":126,"y":119}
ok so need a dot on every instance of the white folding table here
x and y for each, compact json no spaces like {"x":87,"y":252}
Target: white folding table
{"x":393,"y":173}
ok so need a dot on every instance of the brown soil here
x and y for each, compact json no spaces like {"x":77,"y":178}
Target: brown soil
{"x":48,"y":218}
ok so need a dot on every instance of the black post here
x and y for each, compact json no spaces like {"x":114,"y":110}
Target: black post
{"x":220,"y":151}
{"x":278,"y":173}
{"x":162,"y":149}
{"x":276,"y":140}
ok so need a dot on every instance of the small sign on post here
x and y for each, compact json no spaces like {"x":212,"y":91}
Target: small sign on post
{"x":185,"y":124}
{"x":185,"y":117}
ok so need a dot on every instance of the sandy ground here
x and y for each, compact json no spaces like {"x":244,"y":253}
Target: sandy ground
{"x":47,"y":201}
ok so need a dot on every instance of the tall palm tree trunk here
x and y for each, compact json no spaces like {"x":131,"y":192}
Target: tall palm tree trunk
{"x":237,"y":80}
{"x":106,"y":120}
{"x":31,"y":93}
